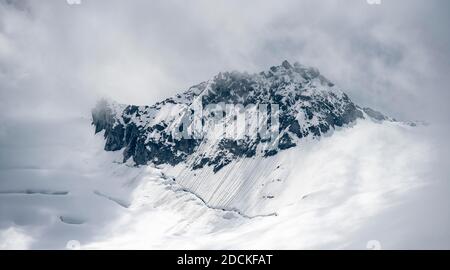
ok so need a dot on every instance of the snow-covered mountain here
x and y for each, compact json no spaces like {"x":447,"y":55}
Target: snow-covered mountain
{"x":335,"y":176}
{"x":225,"y":171}
{"x":309,"y":105}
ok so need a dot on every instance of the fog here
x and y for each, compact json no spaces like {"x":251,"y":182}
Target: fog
{"x":58,"y":59}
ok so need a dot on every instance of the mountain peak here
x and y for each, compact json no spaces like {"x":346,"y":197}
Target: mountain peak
{"x":305,"y":103}
{"x":286,"y":64}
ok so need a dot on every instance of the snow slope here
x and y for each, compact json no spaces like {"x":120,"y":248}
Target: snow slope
{"x":333,"y":199}
{"x":371,"y":181}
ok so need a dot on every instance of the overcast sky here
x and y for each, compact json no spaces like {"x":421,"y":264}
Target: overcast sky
{"x":58,"y":59}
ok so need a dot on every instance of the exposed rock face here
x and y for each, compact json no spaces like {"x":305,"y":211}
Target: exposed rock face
{"x":309,"y":105}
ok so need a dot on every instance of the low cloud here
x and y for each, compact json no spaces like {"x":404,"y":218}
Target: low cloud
{"x":56,"y":57}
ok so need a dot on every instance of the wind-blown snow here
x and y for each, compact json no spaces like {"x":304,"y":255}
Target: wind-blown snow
{"x":371,"y":181}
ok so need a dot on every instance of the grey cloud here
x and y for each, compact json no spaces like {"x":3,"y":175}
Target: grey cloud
{"x":141,"y":51}
{"x":58,"y":59}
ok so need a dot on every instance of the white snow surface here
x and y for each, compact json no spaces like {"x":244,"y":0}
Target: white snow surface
{"x":359,"y":184}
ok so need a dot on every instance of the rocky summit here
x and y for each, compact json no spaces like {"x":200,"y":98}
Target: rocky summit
{"x":308,"y":106}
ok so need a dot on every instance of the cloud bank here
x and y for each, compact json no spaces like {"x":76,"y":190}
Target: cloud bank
{"x":57,"y":58}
